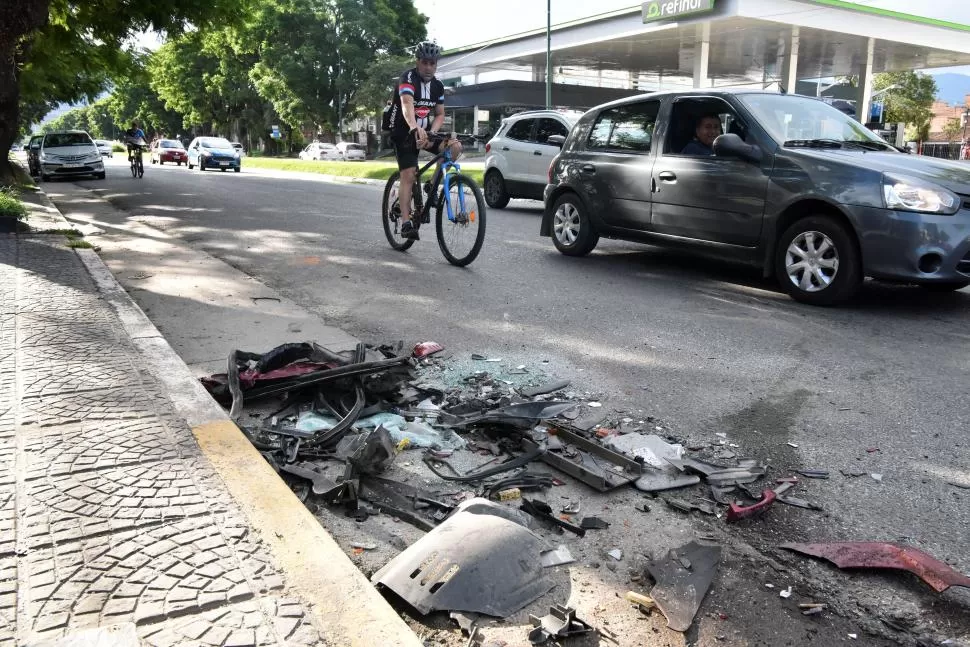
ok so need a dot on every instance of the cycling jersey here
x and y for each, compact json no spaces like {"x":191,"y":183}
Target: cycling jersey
{"x":427,"y":95}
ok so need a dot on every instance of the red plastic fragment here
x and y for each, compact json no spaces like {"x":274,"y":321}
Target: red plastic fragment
{"x":869,"y":554}
{"x":426,"y":348}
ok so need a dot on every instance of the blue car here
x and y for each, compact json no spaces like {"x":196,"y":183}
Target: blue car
{"x":212,"y":153}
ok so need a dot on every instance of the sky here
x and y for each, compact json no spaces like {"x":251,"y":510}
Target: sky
{"x":507,"y":17}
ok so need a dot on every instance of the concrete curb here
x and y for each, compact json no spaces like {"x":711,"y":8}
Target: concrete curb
{"x":347,"y":607}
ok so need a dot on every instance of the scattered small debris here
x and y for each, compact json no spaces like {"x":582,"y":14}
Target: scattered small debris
{"x":643,"y":601}
{"x":560,"y":623}
{"x":853,"y":473}
{"x":795,"y":445}
{"x":786,"y":593}
{"x":876,"y":477}
{"x":680,"y":591}
{"x":140,"y":277}
{"x":557,"y":557}
{"x":811,"y":609}
{"x":363,"y":546}
{"x":426,"y":348}
{"x":616,"y":554}
{"x":594,"y":405}
{"x":853,"y":636}
{"x":594,"y":523}
{"x":814,"y":474}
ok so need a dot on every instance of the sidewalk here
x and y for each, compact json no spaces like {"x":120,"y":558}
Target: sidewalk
{"x":131,"y":509}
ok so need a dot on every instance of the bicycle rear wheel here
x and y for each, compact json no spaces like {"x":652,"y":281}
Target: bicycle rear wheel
{"x":461,"y":239}
{"x":391,"y":213}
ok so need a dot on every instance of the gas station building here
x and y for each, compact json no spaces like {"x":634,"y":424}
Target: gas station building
{"x":800,"y":46}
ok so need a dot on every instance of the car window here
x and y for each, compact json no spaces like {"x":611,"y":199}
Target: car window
{"x":547,"y":127}
{"x":67,"y":139}
{"x":214,"y":142}
{"x":685,"y":116}
{"x":625,"y":128}
{"x":521,"y":130}
{"x":168,"y":143}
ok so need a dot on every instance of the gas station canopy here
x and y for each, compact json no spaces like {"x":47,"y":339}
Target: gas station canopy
{"x":663,"y":44}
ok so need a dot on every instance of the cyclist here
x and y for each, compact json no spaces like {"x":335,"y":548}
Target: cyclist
{"x":418,"y":110}
{"x":132,"y":135}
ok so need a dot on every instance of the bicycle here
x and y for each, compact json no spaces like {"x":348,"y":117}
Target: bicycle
{"x":134,"y":157}
{"x":455,"y":220}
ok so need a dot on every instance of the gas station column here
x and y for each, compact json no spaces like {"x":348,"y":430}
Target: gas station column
{"x":702,"y":55}
{"x":789,"y":69}
{"x":864,"y":97}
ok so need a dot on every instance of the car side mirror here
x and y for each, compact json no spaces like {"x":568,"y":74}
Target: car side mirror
{"x":556,"y":140}
{"x":730,"y":145}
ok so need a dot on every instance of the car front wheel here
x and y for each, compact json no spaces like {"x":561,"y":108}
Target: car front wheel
{"x":573,"y":233}
{"x":817,"y":261}
{"x":495,"y":194}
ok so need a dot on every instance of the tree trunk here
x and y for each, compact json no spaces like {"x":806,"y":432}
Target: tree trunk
{"x":18,"y":19}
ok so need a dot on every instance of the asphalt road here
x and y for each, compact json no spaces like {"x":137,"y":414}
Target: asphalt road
{"x":880,"y":387}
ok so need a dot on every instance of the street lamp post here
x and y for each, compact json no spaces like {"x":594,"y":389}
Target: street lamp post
{"x":548,"y":54}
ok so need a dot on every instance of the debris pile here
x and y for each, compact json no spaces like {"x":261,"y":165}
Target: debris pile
{"x":338,"y":423}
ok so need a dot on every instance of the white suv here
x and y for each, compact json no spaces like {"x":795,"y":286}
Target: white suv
{"x":518,"y":156}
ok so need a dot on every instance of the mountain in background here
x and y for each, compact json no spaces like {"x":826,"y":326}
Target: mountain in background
{"x":951,"y":87}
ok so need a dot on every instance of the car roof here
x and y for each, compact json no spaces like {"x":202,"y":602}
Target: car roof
{"x":544,"y":113}
{"x":720,"y":92}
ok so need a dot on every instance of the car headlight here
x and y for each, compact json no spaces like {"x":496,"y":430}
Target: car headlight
{"x":913,"y":194}
{"x":206,"y":154}
{"x":43,"y":157}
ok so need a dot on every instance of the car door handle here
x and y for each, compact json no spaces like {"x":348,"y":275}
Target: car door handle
{"x":537,"y":152}
{"x":587,"y":168}
{"x":505,"y":148}
{"x":667,"y":176}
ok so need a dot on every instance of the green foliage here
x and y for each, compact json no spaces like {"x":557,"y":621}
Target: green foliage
{"x":379,"y":82}
{"x":911,"y":101}
{"x":370,"y":170}
{"x":952,"y":128}
{"x":118,"y":148}
{"x":10,"y":204}
{"x":75,"y":243}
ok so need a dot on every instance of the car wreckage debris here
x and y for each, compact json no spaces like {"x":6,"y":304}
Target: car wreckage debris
{"x":561,"y":622}
{"x":477,"y":561}
{"x":881,"y":555}
{"x":680,"y":589}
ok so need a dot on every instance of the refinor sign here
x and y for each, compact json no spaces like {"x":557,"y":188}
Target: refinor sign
{"x":667,"y":9}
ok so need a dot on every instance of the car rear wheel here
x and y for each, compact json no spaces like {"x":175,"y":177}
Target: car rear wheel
{"x":100,"y":176}
{"x":817,"y":261}
{"x":495,"y":194}
{"x":573,"y":233}
{"x":952,"y":286}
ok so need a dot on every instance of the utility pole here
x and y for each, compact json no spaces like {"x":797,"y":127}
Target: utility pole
{"x":548,"y":54}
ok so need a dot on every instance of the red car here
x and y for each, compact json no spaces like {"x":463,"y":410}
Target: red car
{"x":168,"y":150}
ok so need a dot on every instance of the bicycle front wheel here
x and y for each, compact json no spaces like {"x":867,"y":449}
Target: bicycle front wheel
{"x":460,"y":220}
{"x":141,"y":168}
{"x":391,"y":213}
{"x":134,"y":167}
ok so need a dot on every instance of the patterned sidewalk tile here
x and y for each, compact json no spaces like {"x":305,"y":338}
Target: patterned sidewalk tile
{"x":70,"y":368}
{"x":8,"y":601}
{"x":66,"y":327}
{"x":257,"y":623}
{"x":144,"y":576}
{"x":55,"y":451}
{"x":101,"y":405}
{"x":8,"y":329}
{"x":8,"y":521}
{"x":84,"y":304}
{"x":70,"y":507}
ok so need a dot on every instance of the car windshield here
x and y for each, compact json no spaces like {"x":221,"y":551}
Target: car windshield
{"x":215,"y":142}
{"x":67,"y":139}
{"x":354,"y":147}
{"x":170,"y":143}
{"x":803,"y":121}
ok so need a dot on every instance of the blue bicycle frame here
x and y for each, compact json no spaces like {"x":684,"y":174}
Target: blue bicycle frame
{"x":448,"y":167}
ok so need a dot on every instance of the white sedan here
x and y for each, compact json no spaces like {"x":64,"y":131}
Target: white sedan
{"x":352,"y":152}
{"x":319,"y":151}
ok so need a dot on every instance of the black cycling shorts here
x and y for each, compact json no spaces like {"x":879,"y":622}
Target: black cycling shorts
{"x":406,"y":150}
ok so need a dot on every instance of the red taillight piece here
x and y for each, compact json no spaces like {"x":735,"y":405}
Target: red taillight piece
{"x":549,"y":172}
{"x":488,"y":148}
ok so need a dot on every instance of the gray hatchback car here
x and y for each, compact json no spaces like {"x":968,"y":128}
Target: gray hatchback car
{"x":784,"y":181}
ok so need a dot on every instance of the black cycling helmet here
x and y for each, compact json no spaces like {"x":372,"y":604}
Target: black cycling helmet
{"x":428,"y":50}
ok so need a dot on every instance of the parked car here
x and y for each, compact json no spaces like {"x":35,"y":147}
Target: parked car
{"x":168,"y":150}
{"x":68,"y":153}
{"x":33,"y":154}
{"x":104,"y":147}
{"x":517,"y":158}
{"x":352,"y":152}
{"x":320,"y":151}
{"x":213,"y":152}
{"x":793,"y":185}
{"x":239,"y":149}
{"x":16,"y":148}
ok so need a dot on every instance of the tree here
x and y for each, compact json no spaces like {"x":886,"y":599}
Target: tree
{"x":952,"y":128}
{"x":54,"y":51}
{"x":911,"y":101}
{"x":379,"y":82}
